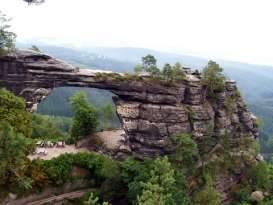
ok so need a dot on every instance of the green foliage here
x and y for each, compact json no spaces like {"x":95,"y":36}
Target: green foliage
{"x":85,"y":119}
{"x":143,"y":181}
{"x":58,"y":169}
{"x":50,"y":127}
{"x":14,"y":148}
{"x":25,"y":183}
{"x":173,"y":73}
{"x":158,"y":188}
{"x":12,"y":110}
{"x":242,"y":194}
{"x":148,"y":65}
{"x":35,"y":48}
{"x":230,"y":104}
{"x":107,"y":115}
{"x":7,"y":37}
{"x":208,"y":195}
{"x":260,"y":175}
{"x":186,"y":151}
{"x":178,"y":73}
{"x":257,"y":177}
{"x":169,"y":73}
{"x":154,"y":182}
{"x":57,"y":104}
{"x":155,"y":178}
{"x":134,"y":172}
{"x":93,"y":200}
{"x":181,"y":190}
{"x":138,"y":68}
{"x":213,"y":78}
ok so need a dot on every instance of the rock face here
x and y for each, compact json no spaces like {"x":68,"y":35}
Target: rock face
{"x":150,"y":111}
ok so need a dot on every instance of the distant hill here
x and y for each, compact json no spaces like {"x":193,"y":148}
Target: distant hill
{"x":254,"y":81}
{"x":84,"y":58}
{"x":133,"y":55}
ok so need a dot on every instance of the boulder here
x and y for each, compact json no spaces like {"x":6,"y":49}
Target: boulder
{"x":257,"y":196}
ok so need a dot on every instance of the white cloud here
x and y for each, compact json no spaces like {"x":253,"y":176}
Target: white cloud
{"x":229,"y":29}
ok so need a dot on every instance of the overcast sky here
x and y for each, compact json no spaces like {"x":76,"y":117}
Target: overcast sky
{"x":240,"y":30}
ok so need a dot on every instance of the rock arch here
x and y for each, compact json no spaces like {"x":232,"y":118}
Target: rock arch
{"x":149,"y":111}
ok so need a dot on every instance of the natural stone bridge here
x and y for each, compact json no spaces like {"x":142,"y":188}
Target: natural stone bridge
{"x":149,"y":111}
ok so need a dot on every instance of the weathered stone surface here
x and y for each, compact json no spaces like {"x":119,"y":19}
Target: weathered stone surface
{"x":145,"y":108}
{"x":202,"y":112}
{"x":163,"y":113}
{"x":150,"y":112}
{"x":202,"y":126}
{"x":178,"y":128}
{"x":152,"y":128}
{"x":247,"y":120}
{"x":235,"y":119}
{"x":231,"y":86}
{"x":220,"y":97}
{"x":129,"y":125}
{"x":128,"y":110}
{"x":162,"y":98}
{"x":222,"y":122}
{"x":140,"y":96}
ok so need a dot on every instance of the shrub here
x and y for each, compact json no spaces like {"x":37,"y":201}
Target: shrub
{"x":158,"y":188}
{"x":148,"y":65}
{"x":94,"y":200}
{"x":58,"y":169}
{"x":261,"y":176}
{"x":51,"y":128}
{"x":13,"y":111}
{"x":208,"y":195}
{"x":134,"y":172}
{"x":85,"y":119}
{"x":13,"y":156}
{"x":186,"y":151}
{"x":213,"y":78}
{"x":173,"y":73}
{"x":35,"y":48}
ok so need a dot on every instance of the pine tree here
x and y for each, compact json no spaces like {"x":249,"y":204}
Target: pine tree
{"x":85,"y":120}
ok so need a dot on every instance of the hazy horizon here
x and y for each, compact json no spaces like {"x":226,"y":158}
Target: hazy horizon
{"x":228,"y":30}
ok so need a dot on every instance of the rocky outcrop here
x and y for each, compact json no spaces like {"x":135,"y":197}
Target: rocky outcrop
{"x":150,"y":111}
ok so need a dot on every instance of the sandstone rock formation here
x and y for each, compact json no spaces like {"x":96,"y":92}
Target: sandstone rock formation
{"x":149,"y":111}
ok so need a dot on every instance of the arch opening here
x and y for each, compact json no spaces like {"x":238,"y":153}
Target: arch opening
{"x":109,"y":135}
{"x":58,"y":104}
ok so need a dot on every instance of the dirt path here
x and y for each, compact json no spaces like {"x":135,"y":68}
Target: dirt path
{"x":59,"y":198}
{"x":111,"y":139}
{"x":54,"y":199}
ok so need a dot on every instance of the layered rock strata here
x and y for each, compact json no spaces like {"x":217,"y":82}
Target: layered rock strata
{"x":150,"y":111}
